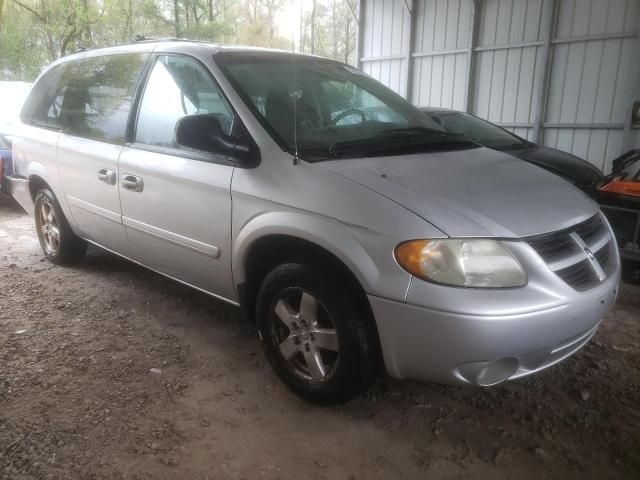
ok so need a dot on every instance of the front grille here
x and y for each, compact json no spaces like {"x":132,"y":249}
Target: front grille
{"x":554,"y":248}
{"x":603,"y":256}
{"x":590,"y":230}
{"x":581,"y":256}
{"x":577,"y":275}
{"x":625,"y":224}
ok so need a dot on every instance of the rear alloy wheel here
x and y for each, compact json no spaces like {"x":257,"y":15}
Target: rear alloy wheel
{"x":48,"y":226}
{"x":59,"y":244}
{"x":315,"y":335}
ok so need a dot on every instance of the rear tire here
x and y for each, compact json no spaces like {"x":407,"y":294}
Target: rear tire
{"x":59,"y":244}
{"x":314,"y":335}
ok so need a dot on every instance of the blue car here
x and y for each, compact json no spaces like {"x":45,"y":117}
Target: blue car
{"x":6,"y":164}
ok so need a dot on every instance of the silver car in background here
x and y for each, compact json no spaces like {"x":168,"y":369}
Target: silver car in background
{"x":354,"y":230}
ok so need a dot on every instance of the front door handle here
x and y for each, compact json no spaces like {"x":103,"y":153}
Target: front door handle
{"x":132,"y":182}
{"x":107,"y":176}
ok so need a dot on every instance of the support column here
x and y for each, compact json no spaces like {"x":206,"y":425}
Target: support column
{"x":360,"y":35}
{"x":471,"y":56}
{"x":409,"y":61}
{"x":543,"y":78}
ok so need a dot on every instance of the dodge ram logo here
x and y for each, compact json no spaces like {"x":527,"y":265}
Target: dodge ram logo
{"x":591,"y":258}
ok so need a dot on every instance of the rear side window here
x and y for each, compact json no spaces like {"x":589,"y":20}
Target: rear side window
{"x":90,"y":98}
{"x":97,"y":97}
{"x":42,"y":107}
{"x":178,"y":86}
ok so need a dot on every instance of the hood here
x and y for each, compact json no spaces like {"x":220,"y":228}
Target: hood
{"x":570,"y":167}
{"x":478,"y":192}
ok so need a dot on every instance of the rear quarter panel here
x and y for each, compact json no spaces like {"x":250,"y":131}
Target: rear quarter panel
{"x":35,"y":155}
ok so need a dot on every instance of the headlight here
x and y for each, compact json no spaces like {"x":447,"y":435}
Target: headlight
{"x":463,"y":263}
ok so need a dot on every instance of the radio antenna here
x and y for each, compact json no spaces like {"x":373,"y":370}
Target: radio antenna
{"x":293,"y":95}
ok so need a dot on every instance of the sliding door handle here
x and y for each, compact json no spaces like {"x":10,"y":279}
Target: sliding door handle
{"x":107,"y":176}
{"x":132,"y":182}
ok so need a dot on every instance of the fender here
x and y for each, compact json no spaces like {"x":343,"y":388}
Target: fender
{"x":341,"y":239}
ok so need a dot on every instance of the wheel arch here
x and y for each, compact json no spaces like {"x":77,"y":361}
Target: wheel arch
{"x":270,"y":240}
{"x":279,"y":234}
{"x":269,"y":251}
{"x":37,"y":183}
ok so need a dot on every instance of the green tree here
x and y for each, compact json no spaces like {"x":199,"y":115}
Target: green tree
{"x":34,"y":33}
{"x":329,"y":29}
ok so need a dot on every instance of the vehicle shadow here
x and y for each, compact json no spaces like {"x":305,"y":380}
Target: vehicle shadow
{"x":151,"y":284}
{"x":9,"y":207}
{"x":543,"y":418}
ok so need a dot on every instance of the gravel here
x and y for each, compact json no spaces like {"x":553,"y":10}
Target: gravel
{"x":110,"y":371}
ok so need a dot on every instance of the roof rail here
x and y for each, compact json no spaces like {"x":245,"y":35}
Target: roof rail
{"x":143,"y":39}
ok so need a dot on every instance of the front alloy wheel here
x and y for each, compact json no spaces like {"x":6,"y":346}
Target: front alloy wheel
{"x":316,"y":334}
{"x":306,"y":335}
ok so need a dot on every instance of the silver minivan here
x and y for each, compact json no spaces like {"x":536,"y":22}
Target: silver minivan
{"x":357,"y":233}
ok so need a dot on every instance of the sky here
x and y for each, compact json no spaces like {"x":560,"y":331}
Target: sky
{"x":288,"y":19}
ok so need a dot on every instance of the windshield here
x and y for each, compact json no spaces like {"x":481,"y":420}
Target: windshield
{"x":324,"y":109}
{"x":485,"y":133}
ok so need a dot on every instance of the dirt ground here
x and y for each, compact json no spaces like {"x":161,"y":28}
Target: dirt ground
{"x":109,"y":371}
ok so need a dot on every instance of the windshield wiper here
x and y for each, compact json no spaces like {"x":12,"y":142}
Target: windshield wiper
{"x":397,"y":142}
{"x":432,"y":132}
{"x":416,"y":130}
{"x":362,"y":145}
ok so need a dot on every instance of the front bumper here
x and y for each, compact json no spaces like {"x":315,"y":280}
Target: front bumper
{"x":435,"y":345}
{"x":19,"y":190}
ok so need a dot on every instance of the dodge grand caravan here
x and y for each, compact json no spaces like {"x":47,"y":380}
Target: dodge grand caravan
{"x":355,"y":231}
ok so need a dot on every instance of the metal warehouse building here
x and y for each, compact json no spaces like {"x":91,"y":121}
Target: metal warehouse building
{"x":565,"y":73}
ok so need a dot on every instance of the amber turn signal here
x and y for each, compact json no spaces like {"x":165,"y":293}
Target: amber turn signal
{"x":409,"y":256}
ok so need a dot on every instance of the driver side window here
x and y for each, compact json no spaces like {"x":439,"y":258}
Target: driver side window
{"x":178,"y":86}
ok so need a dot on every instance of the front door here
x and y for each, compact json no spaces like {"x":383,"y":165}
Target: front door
{"x":94,"y":111}
{"x":176,"y":202}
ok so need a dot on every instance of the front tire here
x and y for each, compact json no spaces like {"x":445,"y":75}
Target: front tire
{"x":631,"y":272}
{"x":59,"y":244}
{"x":314,"y":335}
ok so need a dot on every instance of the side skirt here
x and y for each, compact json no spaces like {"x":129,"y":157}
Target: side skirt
{"x":232,"y":302}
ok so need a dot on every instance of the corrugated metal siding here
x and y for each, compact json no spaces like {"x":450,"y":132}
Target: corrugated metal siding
{"x":442,"y":29}
{"x":594,"y":44}
{"x":508,"y":59}
{"x":589,"y":77}
{"x":385,"y":43}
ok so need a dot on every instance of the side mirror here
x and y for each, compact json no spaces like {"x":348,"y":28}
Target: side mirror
{"x":204,"y":133}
